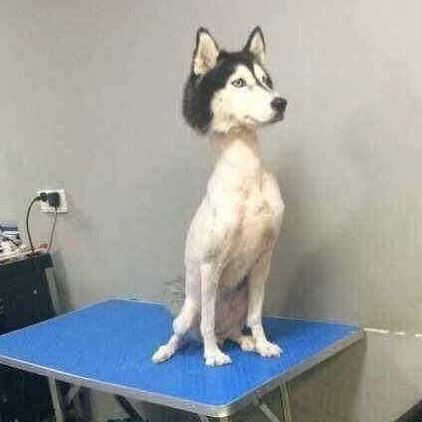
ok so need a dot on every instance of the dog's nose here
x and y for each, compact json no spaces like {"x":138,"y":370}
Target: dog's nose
{"x":279,"y":104}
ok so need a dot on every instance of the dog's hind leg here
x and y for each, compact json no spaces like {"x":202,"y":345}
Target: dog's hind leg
{"x":246,"y":342}
{"x":184,"y":321}
{"x":187,"y":319}
{"x":166,"y":351}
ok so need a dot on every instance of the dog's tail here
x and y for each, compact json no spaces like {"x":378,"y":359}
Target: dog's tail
{"x":174,"y":295}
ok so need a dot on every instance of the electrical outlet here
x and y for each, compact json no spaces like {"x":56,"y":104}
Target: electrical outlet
{"x":63,"y":207}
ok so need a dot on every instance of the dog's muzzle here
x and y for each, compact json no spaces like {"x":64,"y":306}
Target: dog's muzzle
{"x":279,"y":105}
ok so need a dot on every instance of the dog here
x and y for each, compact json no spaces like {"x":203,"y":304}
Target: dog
{"x":231,"y":239}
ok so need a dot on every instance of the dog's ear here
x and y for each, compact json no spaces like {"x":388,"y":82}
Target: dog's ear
{"x":205,"y":54}
{"x":256,"y":44}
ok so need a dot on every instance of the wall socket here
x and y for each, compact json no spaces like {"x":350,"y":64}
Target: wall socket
{"x":63,"y":203}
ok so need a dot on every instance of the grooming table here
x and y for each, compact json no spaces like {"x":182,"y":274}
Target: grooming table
{"x":108,"y":347}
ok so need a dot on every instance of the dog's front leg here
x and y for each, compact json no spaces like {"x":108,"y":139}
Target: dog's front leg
{"x":257,"y":280}
{"x":210,"y":277}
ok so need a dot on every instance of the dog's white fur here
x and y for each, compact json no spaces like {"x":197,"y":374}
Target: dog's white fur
{"x":242,"y":107}
{"x":233,"y":233}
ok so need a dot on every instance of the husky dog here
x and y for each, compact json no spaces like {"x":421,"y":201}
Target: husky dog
{"x":231,"y":239}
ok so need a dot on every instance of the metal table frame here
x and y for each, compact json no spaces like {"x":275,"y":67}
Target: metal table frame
{"x":60,"y":414}
{"x":223,"y":413}
{"x":204,"y":411}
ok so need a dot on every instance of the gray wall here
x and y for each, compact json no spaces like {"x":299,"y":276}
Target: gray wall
{"x":90,"y":101}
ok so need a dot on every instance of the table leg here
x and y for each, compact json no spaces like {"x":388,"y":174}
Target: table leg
{"x":271,"y":416}
{"x":285,"y":401}
{"x":71,"y":394}
{"x":128,"y":408}
{"x":57,"y":400}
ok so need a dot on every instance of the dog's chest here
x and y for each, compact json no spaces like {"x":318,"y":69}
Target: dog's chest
{"x":256,"y":225}
{"x":256,"y":221}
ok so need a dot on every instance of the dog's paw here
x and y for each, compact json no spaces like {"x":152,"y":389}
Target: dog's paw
{"x":216,"y":358}
{"x":268,"y":350}
{"x":162,"y":354}
{"x":247,"y":344}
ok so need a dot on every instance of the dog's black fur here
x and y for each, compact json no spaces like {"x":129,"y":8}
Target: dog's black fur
{"x":199,"y":89}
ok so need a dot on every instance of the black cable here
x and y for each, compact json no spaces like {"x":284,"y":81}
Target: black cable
{"x":28,"y":232}
{"x":53,"y":228}
{"x":38,"y":271}
{"x":53,"y":200}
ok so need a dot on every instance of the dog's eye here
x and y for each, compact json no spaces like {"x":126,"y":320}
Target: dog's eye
{"x":239,"y":83}
{"x":267,"y":81}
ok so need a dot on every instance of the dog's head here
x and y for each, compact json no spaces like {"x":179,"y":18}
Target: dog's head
{"x":230,"y":90}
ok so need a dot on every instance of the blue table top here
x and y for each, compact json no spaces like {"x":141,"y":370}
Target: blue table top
{"x":108,"y":346}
